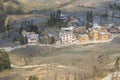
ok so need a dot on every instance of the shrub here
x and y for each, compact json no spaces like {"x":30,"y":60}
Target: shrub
{"x":4,"y":61}
{"x":33,"y":78}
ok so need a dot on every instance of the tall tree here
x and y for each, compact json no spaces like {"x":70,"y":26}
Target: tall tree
{"x":58,"y":15}
{"x":89,"y":19}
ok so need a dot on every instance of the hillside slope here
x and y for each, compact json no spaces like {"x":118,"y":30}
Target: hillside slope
{"x":66,"y":4}
{"x":29,"y":5}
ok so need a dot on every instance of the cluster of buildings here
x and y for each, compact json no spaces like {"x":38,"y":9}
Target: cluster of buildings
{"x":72,"y":34}
{"x":96,"y":33}
{"x":114,"y":28}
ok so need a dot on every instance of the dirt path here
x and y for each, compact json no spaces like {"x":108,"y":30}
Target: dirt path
{"x":45,"y":65}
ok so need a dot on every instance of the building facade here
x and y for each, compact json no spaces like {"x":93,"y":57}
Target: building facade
{"x":66,"y":35}
{"x":32,"y":38}
{"x":93,"y":34}
{"x":83,"y":38}
{"x":103,"y":36}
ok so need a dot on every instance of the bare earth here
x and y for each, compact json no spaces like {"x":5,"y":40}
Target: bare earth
{"x":82,"y":57}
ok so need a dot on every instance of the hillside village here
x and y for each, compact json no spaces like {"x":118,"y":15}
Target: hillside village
{"x":59,"y":40}
{"x":73,"y":34}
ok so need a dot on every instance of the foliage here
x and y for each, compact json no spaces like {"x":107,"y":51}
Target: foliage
{"x":89,"y":19}
{"x":15,"y":39}
{"x":55,"y":20}
{"x":29,"y":26}
{"x":4,"y":61}
{"x":1,"y":6}
{"x":33,"y":78}
{"x":114,"y":6}
{"x":23,"y":40}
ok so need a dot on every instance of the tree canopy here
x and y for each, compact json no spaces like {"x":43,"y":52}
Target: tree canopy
{"x":4,"y":61}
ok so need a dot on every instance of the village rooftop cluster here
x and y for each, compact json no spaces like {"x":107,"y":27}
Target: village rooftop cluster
{"x":73,"y":34}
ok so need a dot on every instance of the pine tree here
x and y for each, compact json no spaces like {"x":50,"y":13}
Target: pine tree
{"x":89,"y":19}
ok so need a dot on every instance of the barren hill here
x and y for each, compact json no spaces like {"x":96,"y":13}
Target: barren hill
{"x":53,"y":4}
{"x":67,"y":4}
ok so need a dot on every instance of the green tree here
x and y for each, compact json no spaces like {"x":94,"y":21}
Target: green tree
{"x":14,"y":39}
{"x":58,"y":14}
{"x":4,"y":61}
{"x":1,"y":6}
{"x":23,"y":40}
{"x":89,"y":19}
{"x":33,"y":78}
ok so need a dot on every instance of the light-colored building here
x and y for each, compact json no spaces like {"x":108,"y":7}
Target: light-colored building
{"x":80,"y":30}
{"x":104,"y":36}
{"x":93,"y":33}
{"x":66,"y":35}
{"x":67,"y":29}
{"x":33,"y":39}
{"x":96,"y":26}
{"x":83,"y":38}
{"x":104,"y":29}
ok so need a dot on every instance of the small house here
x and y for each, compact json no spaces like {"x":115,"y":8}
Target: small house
{"x":93,"y":34}
{"x":83,"y":38}
{"x":67,"y":35}
{"x":104,"y":36}
{"x":33,"y":38}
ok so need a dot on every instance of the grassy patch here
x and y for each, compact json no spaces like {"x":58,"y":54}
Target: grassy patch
{"x":84,"y":51}
{"x":110,"y":52}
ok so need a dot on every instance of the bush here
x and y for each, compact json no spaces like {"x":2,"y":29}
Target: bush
{"x":33,"y":78}
{"x":4,"y":61}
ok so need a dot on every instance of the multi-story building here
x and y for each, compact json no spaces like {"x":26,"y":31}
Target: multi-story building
{"x":103,"y":36}
{"x":83,"y":37}
{"x":93,"y":34}
{"x":99,"y":34}
{"x":66,"y":35}
{"x":33,"y":38}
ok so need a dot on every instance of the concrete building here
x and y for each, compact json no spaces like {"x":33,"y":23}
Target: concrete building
{"x":104,"y":29}
{"x":93,"y":33}
{"x":96,"y":26}
{"x":66,"y":35}
{"x":103,"y":36}
{"x":83,"y":37}
{"x":32,"y":38}
{"x":80,"y":30}
{"x":115,"y":30}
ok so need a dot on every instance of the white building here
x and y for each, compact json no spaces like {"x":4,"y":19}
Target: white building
{"x":33,"y":38}
{"x":96,"y":25}
{"x":66,"y":35}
